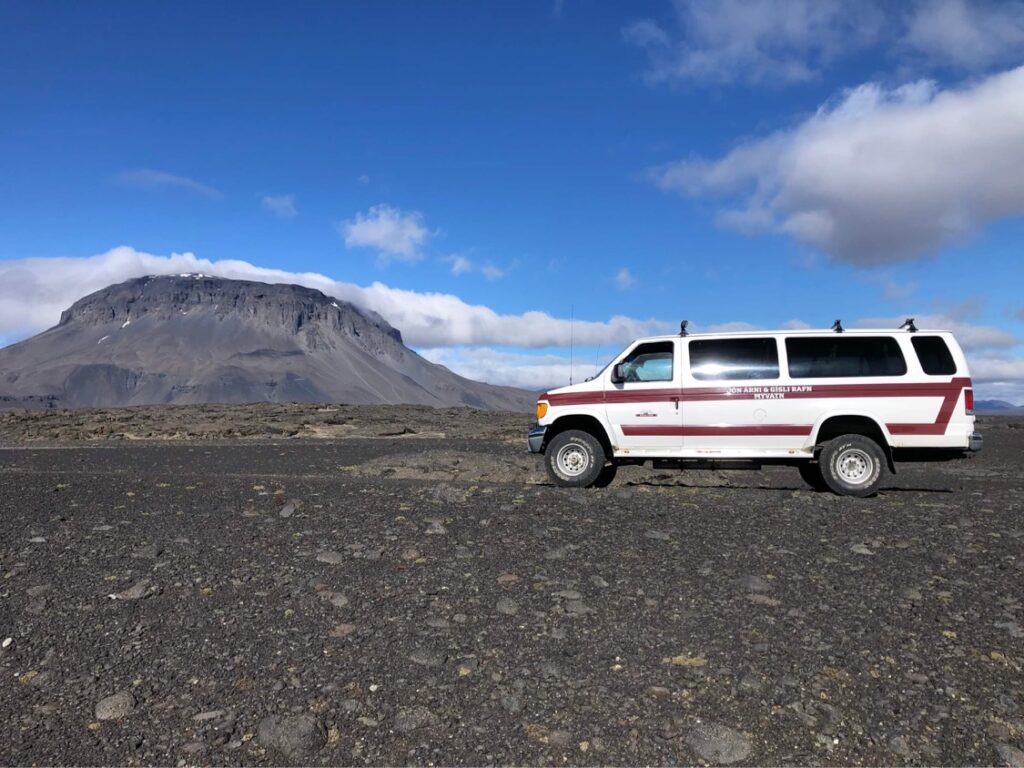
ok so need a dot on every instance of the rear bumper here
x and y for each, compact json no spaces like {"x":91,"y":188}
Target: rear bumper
{"x":535,"y":439}
{"x":976,"y":442}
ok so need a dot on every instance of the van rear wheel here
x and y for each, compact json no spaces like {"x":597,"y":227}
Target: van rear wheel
{"x":852,"y":465}
{"x":574,"y":459}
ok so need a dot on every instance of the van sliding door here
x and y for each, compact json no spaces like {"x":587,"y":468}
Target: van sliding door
{"x":733,"y":402}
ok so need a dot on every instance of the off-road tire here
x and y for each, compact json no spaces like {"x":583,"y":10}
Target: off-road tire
{"x":574,"y":459}
{"x":810,"y":473}
{"x":853,"y":465}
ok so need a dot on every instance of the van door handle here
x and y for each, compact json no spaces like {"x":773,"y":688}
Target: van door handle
{"x":676,"y":401}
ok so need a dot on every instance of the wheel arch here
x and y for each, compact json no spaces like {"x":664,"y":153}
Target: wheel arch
{"x":582,"y":421}
{"x":832,"y":425}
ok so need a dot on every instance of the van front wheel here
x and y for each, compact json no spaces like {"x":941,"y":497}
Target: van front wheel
{"x":852,"y":465}
{"x":574,"y":459}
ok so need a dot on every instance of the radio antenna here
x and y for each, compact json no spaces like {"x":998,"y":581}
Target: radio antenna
{"x":572,"y":315}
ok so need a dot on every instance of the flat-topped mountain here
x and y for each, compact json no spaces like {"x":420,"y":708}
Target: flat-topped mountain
{"x":201,"y":339}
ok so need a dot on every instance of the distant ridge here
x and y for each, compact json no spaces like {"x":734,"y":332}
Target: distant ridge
{"x":997,"y":408}
{"x":194,"y":338}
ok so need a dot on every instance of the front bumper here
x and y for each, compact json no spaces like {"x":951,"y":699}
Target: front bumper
{"x":976,"y":442}
{"x":535,"y":440}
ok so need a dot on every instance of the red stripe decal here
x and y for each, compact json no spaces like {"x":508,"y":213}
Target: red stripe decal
{"x":918,"y":429}
{"x":700,"y":430}
{"x":815,"y":391}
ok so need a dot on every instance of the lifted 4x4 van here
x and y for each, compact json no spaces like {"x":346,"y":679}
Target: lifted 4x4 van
{"x":842,"y":406}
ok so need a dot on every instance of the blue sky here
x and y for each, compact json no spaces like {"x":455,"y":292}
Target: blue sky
{"x":479,"y":172}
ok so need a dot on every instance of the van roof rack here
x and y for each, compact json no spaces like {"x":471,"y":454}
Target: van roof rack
{"x":837,"y":326}
{"x":909,"y":325}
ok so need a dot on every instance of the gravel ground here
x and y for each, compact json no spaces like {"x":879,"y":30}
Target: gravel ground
{"x":259,"y":421}
{"x":397,"y":597}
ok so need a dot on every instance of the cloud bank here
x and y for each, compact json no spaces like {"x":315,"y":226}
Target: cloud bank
{"x":463,"y":336}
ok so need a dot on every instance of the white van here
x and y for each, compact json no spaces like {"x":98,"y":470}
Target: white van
{"x":843,"y":406}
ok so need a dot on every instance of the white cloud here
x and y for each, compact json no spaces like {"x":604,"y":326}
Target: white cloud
{"x":394,"y":233}
{"x":758,"y":41}
{"x":879,"y":176}
{"x":147,"y":178}
{"x":624,"y":279}
{"x":33,"y":293}
{"x":492,"y":272}
{"x":282,"y":206}
{"x":363,"y":179}
{"x":971,"y":35}
{"x":460,"y":264}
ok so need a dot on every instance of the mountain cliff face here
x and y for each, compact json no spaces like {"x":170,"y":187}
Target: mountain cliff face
{"x":202,"y":339}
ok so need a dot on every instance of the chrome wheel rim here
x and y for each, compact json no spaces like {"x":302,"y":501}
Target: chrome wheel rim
{"x":854,"y":466}
{"x":572,"y":460}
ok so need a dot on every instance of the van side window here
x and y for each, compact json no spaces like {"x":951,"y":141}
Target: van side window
{"x":844,"y":356}
{"x":650,"y":362}
{"x":934,"y":355}
{"x":733,"y":359}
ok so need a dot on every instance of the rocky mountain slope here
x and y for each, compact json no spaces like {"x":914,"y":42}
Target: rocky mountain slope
{"x":202,"y":339}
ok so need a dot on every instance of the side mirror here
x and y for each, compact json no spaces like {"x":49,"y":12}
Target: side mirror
{"x":619,"y":373}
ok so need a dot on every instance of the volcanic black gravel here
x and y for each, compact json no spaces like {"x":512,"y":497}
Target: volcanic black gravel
{"x":431,"y":600}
